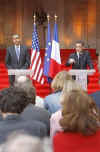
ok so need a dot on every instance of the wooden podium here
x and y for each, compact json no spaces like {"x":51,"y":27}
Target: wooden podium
{"x":81,"y":76}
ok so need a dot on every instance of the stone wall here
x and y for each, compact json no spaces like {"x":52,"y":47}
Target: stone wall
{"x":76,"y":20}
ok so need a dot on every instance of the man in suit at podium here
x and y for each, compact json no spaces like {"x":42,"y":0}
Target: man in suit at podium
{"x":80,"y":59}
{"x":17,"y":57}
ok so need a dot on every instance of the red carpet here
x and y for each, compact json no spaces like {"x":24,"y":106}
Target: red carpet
{"x":43,"y":90}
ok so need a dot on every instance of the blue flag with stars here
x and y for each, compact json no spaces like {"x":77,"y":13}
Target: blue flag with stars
{"x":47,"y":54}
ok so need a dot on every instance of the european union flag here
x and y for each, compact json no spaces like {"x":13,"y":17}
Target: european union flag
{"x":55,"y":36}
{"x":47,"y":54}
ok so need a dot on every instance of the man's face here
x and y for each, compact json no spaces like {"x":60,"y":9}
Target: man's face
{"x":16,"y":41}
{"x":79,"y":47}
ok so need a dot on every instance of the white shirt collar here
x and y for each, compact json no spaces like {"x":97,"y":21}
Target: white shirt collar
{"x":17,"y":46}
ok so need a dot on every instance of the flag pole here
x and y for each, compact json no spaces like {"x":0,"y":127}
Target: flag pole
{"x":55,"y":61}
{"x":48,"y":18}
{"x":36,"y":62}
{"x":34,"y":17}
{"x":55,"y":18}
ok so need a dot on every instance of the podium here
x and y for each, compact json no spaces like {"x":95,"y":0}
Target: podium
{"x":22,"y":72}
{"x":81,"y":76}
{"x":19,"y":72}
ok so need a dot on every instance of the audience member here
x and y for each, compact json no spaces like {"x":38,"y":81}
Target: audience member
{"x":25,"y":143}
{"x":52,"y":101}
{"x":12,"y":105}
{"x":80,"y":123}
{"x":32,"y":112}
{"x":22,"y":81}
{"x":55,"y":117}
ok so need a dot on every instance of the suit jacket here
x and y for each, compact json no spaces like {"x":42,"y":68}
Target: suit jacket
{"x":82,"y":62}
{"x":32,"y":112}
{"x":14,"y":123}
{"x":11,"y":58}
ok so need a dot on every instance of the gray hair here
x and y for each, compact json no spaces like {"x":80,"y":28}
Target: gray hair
{"x":25,"y":83}
{"x":22,"y":79}
{"x":25,"y":143}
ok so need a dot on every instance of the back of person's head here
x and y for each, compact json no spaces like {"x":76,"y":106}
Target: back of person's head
{"x":22,"y":143}
{"x":4,"y":92}
{"x":21,"y":79}
{"x":70,"y":85}
{"x":59,"y":80}
{"x":26,"y":143}
{"x":14,"y":100}
{"x":79,"y":113}
{"x":25,"y":83}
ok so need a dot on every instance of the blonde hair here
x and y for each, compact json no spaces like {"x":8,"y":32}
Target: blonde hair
{"x":79,"y":113}
{"x":59,"y":80}
{"x":70,"y":85}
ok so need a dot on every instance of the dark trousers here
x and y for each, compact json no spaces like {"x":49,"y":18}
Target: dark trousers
{"x":73,"y":77}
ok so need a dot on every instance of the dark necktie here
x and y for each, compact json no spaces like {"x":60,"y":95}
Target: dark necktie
{"x":80,"y":55}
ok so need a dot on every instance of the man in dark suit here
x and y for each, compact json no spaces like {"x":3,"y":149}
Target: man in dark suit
{"x":17,"y":57}
{"x":80,"y":59}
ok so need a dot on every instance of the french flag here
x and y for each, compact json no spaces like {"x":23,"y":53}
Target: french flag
{"x":55,"y":61}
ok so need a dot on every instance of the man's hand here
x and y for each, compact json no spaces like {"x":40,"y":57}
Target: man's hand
{"x":71,"y":61}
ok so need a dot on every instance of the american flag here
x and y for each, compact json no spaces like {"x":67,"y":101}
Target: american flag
{"x":36,"y":64}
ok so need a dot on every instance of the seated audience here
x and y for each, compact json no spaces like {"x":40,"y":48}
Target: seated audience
{"x":80,"y":123}
{"x":12,"y":104}
{"x":32,"y":112}
{"x":55,"y":117}
{"x":52,"y":101}
{"x":20,"y":82}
